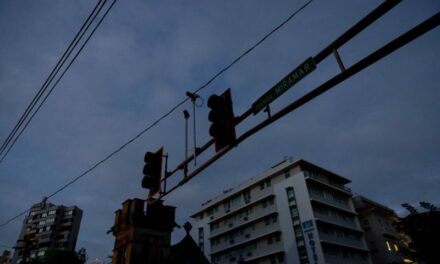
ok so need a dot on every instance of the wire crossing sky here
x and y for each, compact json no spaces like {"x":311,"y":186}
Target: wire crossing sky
{"x":379,"y":128}
{"x":163,"y":116}
{"x":52,"y":76}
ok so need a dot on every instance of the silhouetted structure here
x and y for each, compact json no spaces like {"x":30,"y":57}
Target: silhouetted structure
{"x":47,"y":226}
{"x":424,"y":230}
{"x":294,"y":213}
{"x":378,"y":221}
{"x":5,"y":257}
{"x":145,"y":236}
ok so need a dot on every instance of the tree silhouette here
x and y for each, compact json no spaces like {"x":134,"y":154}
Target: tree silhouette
{"x":424,"y":230}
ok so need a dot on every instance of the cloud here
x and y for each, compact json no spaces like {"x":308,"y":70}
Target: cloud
{"x":379,"y":128}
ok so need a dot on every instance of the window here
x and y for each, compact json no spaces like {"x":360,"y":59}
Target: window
{"x":396,"y":248}
{"x":281,"y":258}
{"x":247,"y":196}
{"x":267,"y":221}
{"x":201,"y":239}
{"x":235,"y":201}
{"x":51,"y":212}
{"x":269,"y":240}
{"x":317,"y":192}
{"x":261,"y":185}
{"x":268,"y":183}
{"x":297,"y":230}
{"x":227,"y":206}
{"x":388,"y":245}
{"x":286,"y":174}
{"x":264,"y":204}
{"x":70,"y":212}
{"x":293,"y":211}
{"x":271,"y":201}
{"x":290,"y":193}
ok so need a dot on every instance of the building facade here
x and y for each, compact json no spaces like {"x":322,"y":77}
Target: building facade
{"x":47,"y":226}
{"x":296,"y":212}
{"x":378,"y":222}
{"x":144,"y":236}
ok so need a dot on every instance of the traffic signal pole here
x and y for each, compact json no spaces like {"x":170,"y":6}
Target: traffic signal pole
{"x":344,"y":38}
{"x":392,"y":46}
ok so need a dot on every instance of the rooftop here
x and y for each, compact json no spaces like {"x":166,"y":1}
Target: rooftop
{"x":281,"y":166}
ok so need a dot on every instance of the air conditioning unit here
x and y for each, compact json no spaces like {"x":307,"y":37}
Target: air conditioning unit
{"x":211,"y":217}
{"x":245,"y":218}
{"x":247,"y":235}
{"x":231,"y":241}
{"x":230,"y":225}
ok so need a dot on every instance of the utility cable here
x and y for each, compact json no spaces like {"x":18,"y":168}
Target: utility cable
{"x":169,"y":112}
{"x":48,"y":79}
{"x":62,"y":75}
{"x":54,"y":72}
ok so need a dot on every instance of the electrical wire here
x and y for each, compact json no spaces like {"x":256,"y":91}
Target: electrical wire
{"x":170,"y":111}
{"x":73,"y":44}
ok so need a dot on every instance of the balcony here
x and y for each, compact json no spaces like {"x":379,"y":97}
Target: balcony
{"x":265,"y":250}
{"x":238,"y":241}
{"x":342,"y":241}
{"x":264,"y":194}
{"x":252,"y":217}
{"x":336,"y":221}
{"x":330,"y":184}
{"x":330,"y":202}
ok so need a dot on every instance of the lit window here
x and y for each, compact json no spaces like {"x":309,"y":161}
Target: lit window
{"x":396,"y":248}
{"x":388,"y":245}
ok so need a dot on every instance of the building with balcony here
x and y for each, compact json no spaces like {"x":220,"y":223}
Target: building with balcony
{"x":378,"y":221}
{"x":296,"y":212}
{"x":47,"y":226}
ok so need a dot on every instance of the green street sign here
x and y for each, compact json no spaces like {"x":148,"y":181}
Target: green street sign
{"x":291,"y":79}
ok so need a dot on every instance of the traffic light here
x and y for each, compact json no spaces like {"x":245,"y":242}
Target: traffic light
{"x":222,"y":118}
{"x":152,"y":171}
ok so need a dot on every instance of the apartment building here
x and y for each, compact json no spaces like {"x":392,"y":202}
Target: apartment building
{"x":47,"y":226}
{"x":378,"y":221}
{"x":296,"y":212}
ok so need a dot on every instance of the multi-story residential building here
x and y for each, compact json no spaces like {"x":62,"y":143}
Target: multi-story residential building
{"x":378,"y":221}
{"x":296,"y":212}
{"x":47,"y":226}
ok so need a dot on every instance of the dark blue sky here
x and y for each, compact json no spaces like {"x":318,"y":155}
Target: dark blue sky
{"x":379,"y":128}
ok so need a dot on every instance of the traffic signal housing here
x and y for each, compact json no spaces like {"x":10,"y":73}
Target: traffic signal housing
{"x":223,"y":120}
{"x":152,"y":171}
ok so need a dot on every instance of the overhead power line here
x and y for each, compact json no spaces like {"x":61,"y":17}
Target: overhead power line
{"x":223,"y":70}
{"x":13,"y":137}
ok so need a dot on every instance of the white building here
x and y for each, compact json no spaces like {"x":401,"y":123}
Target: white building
{"x":296,"y":212}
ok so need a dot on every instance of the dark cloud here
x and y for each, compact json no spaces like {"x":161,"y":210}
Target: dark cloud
{"x":378,"y":128}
